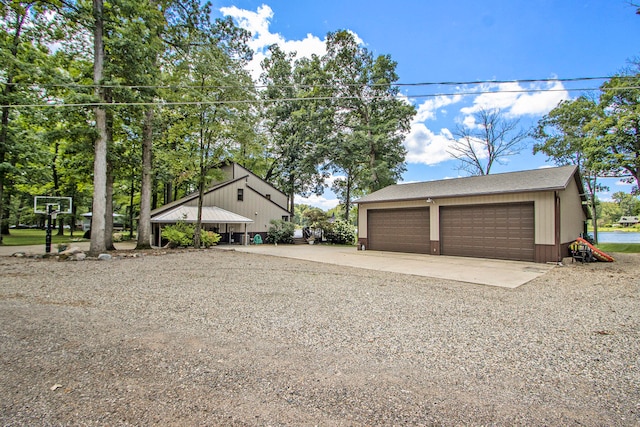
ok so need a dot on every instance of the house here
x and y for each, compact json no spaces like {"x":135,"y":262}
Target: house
{"x":238,"y":207}
{"x":530,"y":216}
{"x":627,"y":221}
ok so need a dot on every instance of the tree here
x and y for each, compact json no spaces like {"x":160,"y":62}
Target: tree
{"x":566,"y":136}
{"x":25,"y":33}
{"x":488,"y":140}
{"x":291,"y":129}
{"x":369,"y":120}
{"x":210,"y":62}
{"x":619,"y":127}
{"x":628,"y":203}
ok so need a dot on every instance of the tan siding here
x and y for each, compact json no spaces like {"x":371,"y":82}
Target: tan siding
{"x":571,"y":212}
{"x":261,"y":187}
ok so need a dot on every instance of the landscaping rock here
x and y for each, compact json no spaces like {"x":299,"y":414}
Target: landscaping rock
{"x":104,"y":257}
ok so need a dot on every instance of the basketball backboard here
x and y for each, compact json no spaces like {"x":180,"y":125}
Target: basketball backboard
{"x":59,"y":205}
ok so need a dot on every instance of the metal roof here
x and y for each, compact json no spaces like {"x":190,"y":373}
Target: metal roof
{"x":210,"y":215}
{"x":546,"y":179}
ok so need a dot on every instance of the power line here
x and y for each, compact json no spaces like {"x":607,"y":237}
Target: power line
{"x":262,"y":86}
{"x":296,"y":99}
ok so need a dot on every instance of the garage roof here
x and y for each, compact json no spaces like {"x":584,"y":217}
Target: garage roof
{"x":210,"y":215}
{"x":547,"y":179}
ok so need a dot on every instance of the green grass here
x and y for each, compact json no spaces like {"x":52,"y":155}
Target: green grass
{"x":627,"y":248}
{"x":37,"y":237}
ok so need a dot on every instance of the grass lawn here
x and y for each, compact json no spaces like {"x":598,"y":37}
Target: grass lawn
{"x":627,"y":248}
{"x":37,"y":237}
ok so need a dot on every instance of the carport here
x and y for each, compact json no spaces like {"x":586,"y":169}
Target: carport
{"x":213,"y":217}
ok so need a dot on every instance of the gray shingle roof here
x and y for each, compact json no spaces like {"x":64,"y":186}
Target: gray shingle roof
{"x":547,"y":179}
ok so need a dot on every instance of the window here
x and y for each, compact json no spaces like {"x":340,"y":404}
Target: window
{"x":268,"y":196}
{"x":240,"y":194}
{"x":285,"y":218}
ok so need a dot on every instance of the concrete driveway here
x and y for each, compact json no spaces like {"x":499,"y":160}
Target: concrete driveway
{"x":507,"y":274}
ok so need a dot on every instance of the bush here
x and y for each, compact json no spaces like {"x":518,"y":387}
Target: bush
{"x":209,"y":238}
{"x":280,"y":231}
{"x":341,"y":233}
{"x":179,"y":235}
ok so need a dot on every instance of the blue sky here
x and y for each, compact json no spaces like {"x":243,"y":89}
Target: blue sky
{"x":461,"y":41}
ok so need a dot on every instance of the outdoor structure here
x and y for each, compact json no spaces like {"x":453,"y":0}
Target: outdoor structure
{"x":526,"y":216}
{"x":237,"y":207}
{"x":628,"y":221}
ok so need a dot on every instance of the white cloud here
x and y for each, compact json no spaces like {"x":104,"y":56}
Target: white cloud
{"x":258,"y":23}
{"x":427,"y":110}
{"x":318,"y":201}
{"x":424,"y":146}
{"x":517,"y":100}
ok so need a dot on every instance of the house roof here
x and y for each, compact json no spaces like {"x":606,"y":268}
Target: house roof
{"x":547,"y":179}
{"x":210,"y":215}
{"x":633,"y":219}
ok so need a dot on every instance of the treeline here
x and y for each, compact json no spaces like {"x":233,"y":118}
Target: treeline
{"x":127,"y":105}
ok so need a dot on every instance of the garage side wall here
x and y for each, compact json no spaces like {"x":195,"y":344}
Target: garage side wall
{"x":572,"y":216}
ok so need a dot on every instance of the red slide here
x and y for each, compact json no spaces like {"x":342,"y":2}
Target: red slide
{"x":601,"y":256}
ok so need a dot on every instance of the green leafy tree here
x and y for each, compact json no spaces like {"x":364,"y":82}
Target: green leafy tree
{"x":210,"y":64}
{"x":291,"y":129}
{"x":628,"y":203}
{"x":566,"y":135}
{"x":369,"y":120}
{"x":619,"y":127}
{"x":26,"y":32}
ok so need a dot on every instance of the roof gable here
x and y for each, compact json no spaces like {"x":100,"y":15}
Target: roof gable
{"x":547,"y":179}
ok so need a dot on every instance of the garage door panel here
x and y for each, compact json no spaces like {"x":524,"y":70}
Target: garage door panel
{"x":488,"y":231}
{"x":399,"y":230}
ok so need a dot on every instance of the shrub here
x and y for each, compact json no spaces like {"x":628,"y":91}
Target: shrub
{"x":178,"y":235}
{"x":280,"y":231}
{"x":341,"y":233}
{"x":209,"y":238}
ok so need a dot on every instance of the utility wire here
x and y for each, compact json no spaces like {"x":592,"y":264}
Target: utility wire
{"x":324,"y":86}
{"x":314,"y":98}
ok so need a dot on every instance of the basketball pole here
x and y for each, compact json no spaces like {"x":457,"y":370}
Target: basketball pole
{"x":47,"y":247}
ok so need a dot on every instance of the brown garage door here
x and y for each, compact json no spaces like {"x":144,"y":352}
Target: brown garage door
{"x":488,"y":231}
{"x":399,"y":230}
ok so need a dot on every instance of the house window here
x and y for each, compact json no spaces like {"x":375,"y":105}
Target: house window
{"x":285,"y":218}
{"x":240,"y":194}
{"x":268,"y":196}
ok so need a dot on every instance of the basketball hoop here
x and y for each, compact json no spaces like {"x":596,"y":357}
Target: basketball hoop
{"x":51,"y":206}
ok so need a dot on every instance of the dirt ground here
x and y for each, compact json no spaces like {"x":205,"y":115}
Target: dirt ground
{"x":218,"y":337}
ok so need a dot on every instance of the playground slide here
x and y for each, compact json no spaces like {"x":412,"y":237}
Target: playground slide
{"x":601,"y":256}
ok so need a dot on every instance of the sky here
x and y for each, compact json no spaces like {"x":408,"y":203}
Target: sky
{"x":498,"y":42}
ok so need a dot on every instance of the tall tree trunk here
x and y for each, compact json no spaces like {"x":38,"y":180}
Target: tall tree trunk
{"x":99,"y":209}
{"x":4,"y":122}
{"x":144,"y":222}
{"x":108,"y":219}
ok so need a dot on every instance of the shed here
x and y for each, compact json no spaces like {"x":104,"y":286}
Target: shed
{"x":527,"y":216}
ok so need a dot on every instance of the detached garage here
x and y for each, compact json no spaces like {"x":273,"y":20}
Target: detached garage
{"x":524,"y":216}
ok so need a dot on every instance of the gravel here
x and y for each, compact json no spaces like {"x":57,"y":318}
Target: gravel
{"x":218,"y":337}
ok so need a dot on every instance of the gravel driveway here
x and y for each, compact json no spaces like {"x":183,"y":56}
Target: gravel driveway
{"x":218,"y":337}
